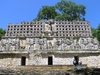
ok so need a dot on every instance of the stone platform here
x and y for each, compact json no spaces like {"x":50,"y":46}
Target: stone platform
{"x":47,"y":67}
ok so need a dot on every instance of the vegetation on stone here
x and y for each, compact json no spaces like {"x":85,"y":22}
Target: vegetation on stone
{"x":66,"y":10}
{"x":63,"y":10}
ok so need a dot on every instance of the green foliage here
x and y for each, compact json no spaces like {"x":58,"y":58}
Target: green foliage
{"x":94,"y":32}
{"x":2,"y":32}
{"x":69,"y":10}
{"x":98,"y":33}
{"x":63,"y":10}
{"x":46,"y":12}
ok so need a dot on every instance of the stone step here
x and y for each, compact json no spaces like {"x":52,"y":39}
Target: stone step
{"x":7,"y":73}
{"x":47,"y":67}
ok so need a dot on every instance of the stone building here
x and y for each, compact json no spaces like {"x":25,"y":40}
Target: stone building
{"x":49,"y":42}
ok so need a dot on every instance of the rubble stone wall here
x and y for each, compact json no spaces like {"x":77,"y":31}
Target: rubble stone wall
{"x":9,"y":61}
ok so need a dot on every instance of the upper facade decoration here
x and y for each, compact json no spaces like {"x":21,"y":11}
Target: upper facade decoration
{"x":49,"y":35}
{"x":48,"y":28}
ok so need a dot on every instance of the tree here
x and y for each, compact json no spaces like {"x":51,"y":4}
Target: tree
{"x":98,"y":33}
{"x":63,"y":10}
{"x":2,"y":32}
{"x":46,"y":12}
{"x":69,"y":10}
{"x":94,"y":32}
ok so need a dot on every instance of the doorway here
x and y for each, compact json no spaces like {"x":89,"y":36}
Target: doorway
{"x":23,"y":61}
{"x":50,"y":60}
{"x":77,"y":59}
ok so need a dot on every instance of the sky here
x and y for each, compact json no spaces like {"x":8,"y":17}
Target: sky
{"x":16,"y":11}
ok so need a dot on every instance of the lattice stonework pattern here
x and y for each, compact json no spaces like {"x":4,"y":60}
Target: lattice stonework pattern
{"x":50,"y":28}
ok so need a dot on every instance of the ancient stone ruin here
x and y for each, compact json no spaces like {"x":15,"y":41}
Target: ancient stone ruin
{"x":48,"y":42}
{"x":49,"y":35}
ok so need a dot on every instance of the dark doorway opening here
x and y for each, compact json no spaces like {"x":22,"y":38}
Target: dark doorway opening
{"x":77,"y":59}
{"x":23,"y":61}
{"x":50,"y":60}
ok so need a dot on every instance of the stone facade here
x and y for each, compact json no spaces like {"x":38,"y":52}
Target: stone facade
{"x":12,"y":60}
{"x":30,"y":44}
{"x":55,"y":28}
{"x":48,"y":43}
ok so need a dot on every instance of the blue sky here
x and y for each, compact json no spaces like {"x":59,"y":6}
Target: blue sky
{"x":15,"y":11}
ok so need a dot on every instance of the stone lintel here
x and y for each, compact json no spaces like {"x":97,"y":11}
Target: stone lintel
{"x":23,"y":53}
{"x":71,"y":52}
